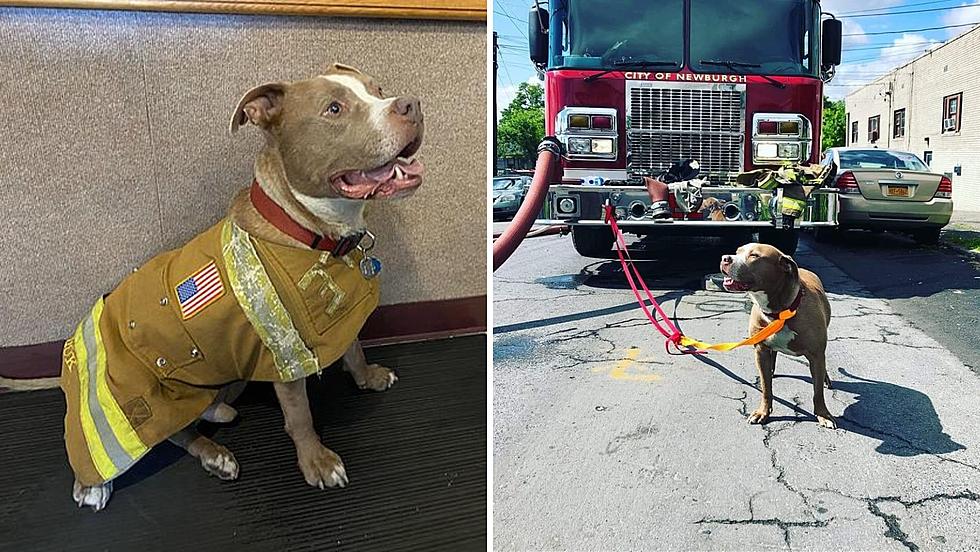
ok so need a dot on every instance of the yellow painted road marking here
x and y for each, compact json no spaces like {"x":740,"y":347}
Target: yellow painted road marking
{"x":620,"y":370}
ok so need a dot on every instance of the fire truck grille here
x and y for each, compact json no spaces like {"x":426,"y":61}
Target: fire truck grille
{"x":669,"y":122}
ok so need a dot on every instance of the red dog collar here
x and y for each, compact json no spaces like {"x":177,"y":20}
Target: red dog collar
{"x":278,"y":217}
{"x":792,"y":308}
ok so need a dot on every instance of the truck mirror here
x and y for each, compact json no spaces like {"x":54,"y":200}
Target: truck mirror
{"x":830,"y":52}
{"x":537,"y":34}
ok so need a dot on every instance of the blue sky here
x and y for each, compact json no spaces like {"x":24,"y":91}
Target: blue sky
{"x":866,"y":56}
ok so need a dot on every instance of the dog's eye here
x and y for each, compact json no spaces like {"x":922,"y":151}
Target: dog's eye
{"x":334,"y":109}
{"x":753,"y":255}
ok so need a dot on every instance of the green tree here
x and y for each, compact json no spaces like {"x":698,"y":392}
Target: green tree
{"x":521,"y":125}
{"x":834,"y":124}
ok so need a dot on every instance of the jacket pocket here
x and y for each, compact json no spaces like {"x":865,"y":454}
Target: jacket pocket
{"x":151,"y":323}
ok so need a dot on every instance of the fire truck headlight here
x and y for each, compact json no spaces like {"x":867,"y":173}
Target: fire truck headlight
{"x":578,"y":121}
{"x":580,"y":145}
{"x":766,"y":150}
{"x":602,"y":145}
{"x":788,"y":151}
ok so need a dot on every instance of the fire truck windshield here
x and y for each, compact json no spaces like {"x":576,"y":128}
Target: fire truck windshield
{"x":779,"y":40}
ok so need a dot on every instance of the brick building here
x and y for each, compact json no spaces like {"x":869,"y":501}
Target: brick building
{"x":919,"y":107}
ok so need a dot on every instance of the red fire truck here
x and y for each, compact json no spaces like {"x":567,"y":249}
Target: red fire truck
{"x":633,"y":86}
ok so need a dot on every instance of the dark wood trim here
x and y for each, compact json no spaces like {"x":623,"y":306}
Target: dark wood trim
{"x":400,"y":323}
{"x":468,"y":10}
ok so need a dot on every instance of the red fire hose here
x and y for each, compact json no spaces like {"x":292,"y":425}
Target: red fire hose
{"x":549,"y":151}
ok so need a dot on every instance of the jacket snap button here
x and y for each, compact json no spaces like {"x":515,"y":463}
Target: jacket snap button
{"x":163,"y":302}
{"x":195,"y":353}
{"x":161,"y":362}
{"x":132,"y":324}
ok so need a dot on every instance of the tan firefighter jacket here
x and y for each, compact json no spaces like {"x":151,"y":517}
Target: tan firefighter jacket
{"x":152,"y":355}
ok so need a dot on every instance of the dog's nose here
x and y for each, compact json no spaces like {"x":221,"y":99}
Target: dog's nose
{"x":408,"y":107}
{"x":727,"y":259}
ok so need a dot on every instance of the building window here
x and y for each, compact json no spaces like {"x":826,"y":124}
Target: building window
{"x":952,"y":112}
{"x":854,"y":132}
{"x":874,"y":123}
{"x":898,"y":126}
{"x":927,"y":157}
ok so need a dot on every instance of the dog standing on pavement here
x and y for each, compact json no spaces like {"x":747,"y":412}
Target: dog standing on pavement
{"x":276,"y":291}
{"x":775,"y":283}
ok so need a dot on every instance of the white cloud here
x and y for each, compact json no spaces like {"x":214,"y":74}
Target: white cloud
{"x":961,"y":17}
{"x":898,"y":53}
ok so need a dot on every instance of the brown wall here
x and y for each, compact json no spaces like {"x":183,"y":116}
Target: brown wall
{"x":114,"y":146}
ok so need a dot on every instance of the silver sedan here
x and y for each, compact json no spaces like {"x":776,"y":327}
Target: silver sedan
{"x":884,"y":189}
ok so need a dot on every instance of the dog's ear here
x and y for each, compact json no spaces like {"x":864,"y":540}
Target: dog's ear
{"x":342,"y":68}
{"x":788,"y":264}
{"x":260,"y":106}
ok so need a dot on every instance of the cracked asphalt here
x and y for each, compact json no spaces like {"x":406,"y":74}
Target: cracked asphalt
{"x":604,"y":442}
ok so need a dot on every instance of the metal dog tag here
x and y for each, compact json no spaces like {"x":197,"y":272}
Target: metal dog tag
{"x":370,"y":266}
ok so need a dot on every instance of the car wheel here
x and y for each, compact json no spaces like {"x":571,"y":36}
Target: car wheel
{"x":783,"y":239}
{"x":928,"y":236}
{"x":592,"y":242}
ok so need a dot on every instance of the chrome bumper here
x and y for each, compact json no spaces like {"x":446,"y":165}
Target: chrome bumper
{"x":722,"y":206}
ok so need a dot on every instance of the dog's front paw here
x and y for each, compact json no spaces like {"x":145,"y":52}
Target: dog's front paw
{"x":827,"y":421}
{"x":96,"y":497}
{"x":377,"y":378}
{"x":221,"y":463}
{"x":322,"y":467}
{"x":759,"y":416}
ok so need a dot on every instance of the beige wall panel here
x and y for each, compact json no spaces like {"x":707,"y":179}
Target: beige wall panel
{"x":120,"y":147}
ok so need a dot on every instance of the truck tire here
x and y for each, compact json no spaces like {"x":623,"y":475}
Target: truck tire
{"x":592,"y":241}
{"x":783,"y":239}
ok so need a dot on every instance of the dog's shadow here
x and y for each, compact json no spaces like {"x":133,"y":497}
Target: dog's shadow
{"x":903,"y":419}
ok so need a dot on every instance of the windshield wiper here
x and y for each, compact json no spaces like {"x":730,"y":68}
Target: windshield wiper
{"x":631,"y":63}
{"x":736,"y":65}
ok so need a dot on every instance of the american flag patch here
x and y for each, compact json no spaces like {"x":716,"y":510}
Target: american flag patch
{"x":199,"y":290}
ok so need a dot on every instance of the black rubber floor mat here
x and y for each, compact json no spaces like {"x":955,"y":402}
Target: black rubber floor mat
{"x":416,"y":457}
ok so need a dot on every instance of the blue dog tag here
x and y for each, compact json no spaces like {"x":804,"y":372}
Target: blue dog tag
{"x":370,"y":266}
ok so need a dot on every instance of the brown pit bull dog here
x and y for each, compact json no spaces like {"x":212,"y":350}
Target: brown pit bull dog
{"x":275,"y":291}
{"x":775,"y":283}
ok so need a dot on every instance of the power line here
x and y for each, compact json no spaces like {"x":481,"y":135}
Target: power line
{"x":947,"y":8}
{"x":880,"y":10}
{"x":512,"y":20}
{"x":914,"y":30}
{"x":892,"y":45}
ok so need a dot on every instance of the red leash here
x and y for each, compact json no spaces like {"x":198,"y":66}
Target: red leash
{"x":670,"y":332}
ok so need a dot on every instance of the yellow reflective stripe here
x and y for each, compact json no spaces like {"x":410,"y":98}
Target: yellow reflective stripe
{"x":121,"y":428}
{"x":264,"y":309}
{"x":96,"y":449}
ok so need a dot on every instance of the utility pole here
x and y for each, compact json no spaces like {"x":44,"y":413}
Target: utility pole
{"x":493,"y":115}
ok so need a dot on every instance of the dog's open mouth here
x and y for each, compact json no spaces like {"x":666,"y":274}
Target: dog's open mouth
{"x":399,"y":177}
{"x":732,"y":284}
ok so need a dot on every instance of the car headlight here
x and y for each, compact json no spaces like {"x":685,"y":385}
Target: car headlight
{"x":588,"y":132}
{"x":506,"y":198}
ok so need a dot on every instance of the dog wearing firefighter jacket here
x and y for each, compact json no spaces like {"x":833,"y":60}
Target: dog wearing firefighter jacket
{"x":274,"y":292}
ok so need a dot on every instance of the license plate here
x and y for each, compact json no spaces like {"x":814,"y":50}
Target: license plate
{"x":898,"y":191}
